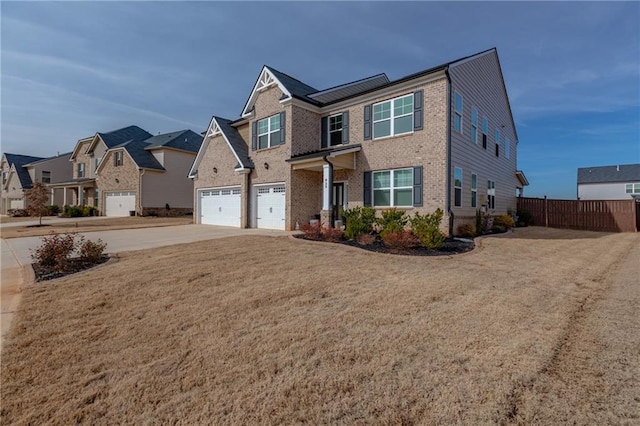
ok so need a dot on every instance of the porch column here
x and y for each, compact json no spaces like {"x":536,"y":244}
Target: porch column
{"x":64,"y":196}
{"x":53,"y":193}
{"x":80,"y":195}
{"x":327,"y":184}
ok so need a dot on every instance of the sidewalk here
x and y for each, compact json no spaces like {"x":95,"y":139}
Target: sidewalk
{"x":12,"y":276}
{"x":50,"y":220}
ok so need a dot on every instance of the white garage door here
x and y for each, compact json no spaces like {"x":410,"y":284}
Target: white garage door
{"x":270,"y":206}
{"x":220,"y":207}
{"x":119,"y":203}
{"x":17,"y":204}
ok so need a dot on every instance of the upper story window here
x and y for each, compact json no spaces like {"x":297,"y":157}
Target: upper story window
{"x":80,"y":170}
{"x":5,"y":177}
{"x":457,"y":184}
{"x":485,"y":131}
{"x":474,"y":190}
{"x":497,"y":143}
{"x":632,"y":188}
{"x":269,"y":132}
{"x":474,"y":125}
{"x":457,"y":121}
{"x":491,"y":194}
{"x":335,"y":130}
{"x":393,"y":188}
{"x":118,"y":158}
{"x":393,"y":117}
{"x":46,"y":176}
{"x":507,"y":148}
{"x":97,"y":160}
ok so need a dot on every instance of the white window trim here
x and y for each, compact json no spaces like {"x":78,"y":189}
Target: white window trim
{"x":119,"y":158}
{"x":491,"y":192}
{"x":81,"y":170}
{"x":474,"y":125}
{"x":391,"y":118}
{"x":334,"y":131}
{"x":455,"y":169}
{"x":269,"y":132}
{"x":635,"y":188}
{"x":391,"y":188}
{"x":474,"y":191}
{"x":457,"y":113}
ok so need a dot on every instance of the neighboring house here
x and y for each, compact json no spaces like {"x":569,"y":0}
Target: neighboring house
{"x":19,"y":172}
{"x":81,"y":189}
{"x":441,"y":138}
{"x":150,"y":176}
{"x":609,"y":182}
{"x":15,"y":179}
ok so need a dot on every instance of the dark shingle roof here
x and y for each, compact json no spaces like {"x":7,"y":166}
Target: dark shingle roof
{"x":142,"y":157}
{"x":237,"y":143}
{"x":66,"y":154}
{"x":19,"y":161}
{"x":117,"y":137}
{"x":604,"y":174}
{"x":186,"y":140}
{"x":348,"y":89}
{"x":297,"y":88}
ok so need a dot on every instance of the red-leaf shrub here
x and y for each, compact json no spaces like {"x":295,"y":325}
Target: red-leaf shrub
{"x":366,"y":239}
{"x":55,"y":251}
{"x":332,"y":235}
{"x":467,"y":230}
{"x":92,"y":251}
{"x":312,"y":231}
{"x":399,"y":240}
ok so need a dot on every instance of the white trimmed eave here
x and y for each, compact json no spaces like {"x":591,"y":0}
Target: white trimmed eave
{"x":265,"y":81}
{"x":213,"y":131}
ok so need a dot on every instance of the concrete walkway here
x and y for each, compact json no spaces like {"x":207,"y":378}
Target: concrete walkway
{"x":16,"y":253}
{"x":50,"y":220}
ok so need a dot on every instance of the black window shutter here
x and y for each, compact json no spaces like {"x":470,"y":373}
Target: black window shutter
{"x":324,"y":128}
{"x":484,"y":141}
{"x":345,"y":127}
{"x":367,"y":122}
{"x":418,"y":111}
{"x":282,"y":126}
{"x":417,"y":186}
{"x":367,"y":189}
{"x":497,"y":150}
{"x":254,"y":135}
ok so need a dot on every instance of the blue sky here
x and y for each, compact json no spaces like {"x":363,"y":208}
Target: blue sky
{"x":70,"y":69}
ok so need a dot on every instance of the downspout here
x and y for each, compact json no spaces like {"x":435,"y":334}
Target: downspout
{"x":448,"y":180}
{"x":140,"y":190}
{"x":330,"y":190}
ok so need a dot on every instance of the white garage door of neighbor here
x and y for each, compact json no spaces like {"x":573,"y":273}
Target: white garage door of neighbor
{"x":220,"y":207}
{"x":17,"y":204}
{"x":270,"y":206}
{"x":119,"y":203}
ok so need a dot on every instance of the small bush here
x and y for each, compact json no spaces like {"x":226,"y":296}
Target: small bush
{"x":55,"y":251}
{"x":467,"y":230}
{"x":366,"y":239}
{"x":392,"y":221}
{"x":504,"y":221}
{"x":89,"y":211}
{"x":53,"y":210}
{"x":525,"y":218}
{"x":498,"y":229}
{"x":73,"y":211}
{"x":478,"y":222}
{"x":312,"y":231}
{"x":427,"y":229}
{"x":332,"y":235}
{"x":360,"y":221}
{"x":399,"y":240}
{"x":18,"y":213}
{"x":91,"y":251}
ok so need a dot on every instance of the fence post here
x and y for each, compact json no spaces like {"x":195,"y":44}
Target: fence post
{"x":546,"y":212}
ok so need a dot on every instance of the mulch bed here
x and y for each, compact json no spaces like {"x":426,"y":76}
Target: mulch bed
{"x":45,"y":273}
{"x":451,"y":246}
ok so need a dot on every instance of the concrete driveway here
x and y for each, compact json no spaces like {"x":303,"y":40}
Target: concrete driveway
{"x":16,"y":253}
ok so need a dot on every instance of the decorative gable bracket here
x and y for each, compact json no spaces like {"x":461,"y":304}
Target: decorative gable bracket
{"x":266,"y":80}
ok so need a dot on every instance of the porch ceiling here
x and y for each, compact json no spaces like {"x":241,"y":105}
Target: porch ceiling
{"x":340,"y":158}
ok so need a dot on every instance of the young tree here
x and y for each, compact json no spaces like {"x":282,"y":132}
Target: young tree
{"x":37,"y":200}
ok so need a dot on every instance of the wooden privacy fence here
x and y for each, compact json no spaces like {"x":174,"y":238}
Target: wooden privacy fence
{"x":590,"y":215}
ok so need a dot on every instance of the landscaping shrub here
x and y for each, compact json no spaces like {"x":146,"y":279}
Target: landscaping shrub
{"x":399,"y":240}
{"x":91,"y":251}
{"x":498,"y":229}
{"x":18,"y":213}
{"x":312,"y":231}
{"x":53,"y":210}
{"x":73,"y":211}
{"x":55,"y":251}
{"x":478,"y":222}
{"x":366,"y":239}
{"x":467,"y":230}
{"x":332,"y":234}
{"x":360,"y":221}
{"x":505,"y":221}
{"x":427,"y":229}
{"x":525,"y":218}
{"x":392,"y":221}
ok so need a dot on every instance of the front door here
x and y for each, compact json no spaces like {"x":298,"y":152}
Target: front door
{"x":338,"y":201}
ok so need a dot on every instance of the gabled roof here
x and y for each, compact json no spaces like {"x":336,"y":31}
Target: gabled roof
{"x":33,"y":163}
{"x":605,"y":174}
{"x":348,"y":89}
{"x":19,"y":161}
{"x":117,"y":137}
{"x":237,"y":145}
{"x":138,"y":153}
{"x":185,"y":140}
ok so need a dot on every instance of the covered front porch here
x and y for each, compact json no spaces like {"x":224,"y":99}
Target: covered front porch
{"x":77,"y":192}
{"x":335,"y":165}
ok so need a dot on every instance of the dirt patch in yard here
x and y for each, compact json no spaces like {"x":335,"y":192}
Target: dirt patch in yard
{"x":278,"y":330}
{"x":106,"y":224}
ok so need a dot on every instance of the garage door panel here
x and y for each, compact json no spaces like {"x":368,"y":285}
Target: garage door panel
{"x":270,"y":207}
{"x":118,"y":204}
{"x":220,"y":207}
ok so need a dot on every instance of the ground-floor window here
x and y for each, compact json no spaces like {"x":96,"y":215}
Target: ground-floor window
{"x":491,"y":194}
{"x":474,"y":190}
{"x":393,"y":188}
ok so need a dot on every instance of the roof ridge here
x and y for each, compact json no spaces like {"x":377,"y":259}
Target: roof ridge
{"x":287,"y":75}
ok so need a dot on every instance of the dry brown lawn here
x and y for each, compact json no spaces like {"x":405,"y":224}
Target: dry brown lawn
{"x":538,"y":326}
{"x":106,"y":224}
{"x":9,"y":219}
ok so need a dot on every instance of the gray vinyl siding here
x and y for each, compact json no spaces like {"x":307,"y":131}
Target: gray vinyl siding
{"x":479,"y":81}
{"x":604,"y":191}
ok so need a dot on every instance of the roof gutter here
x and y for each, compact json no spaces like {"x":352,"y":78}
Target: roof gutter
{"x":448,"y":180}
